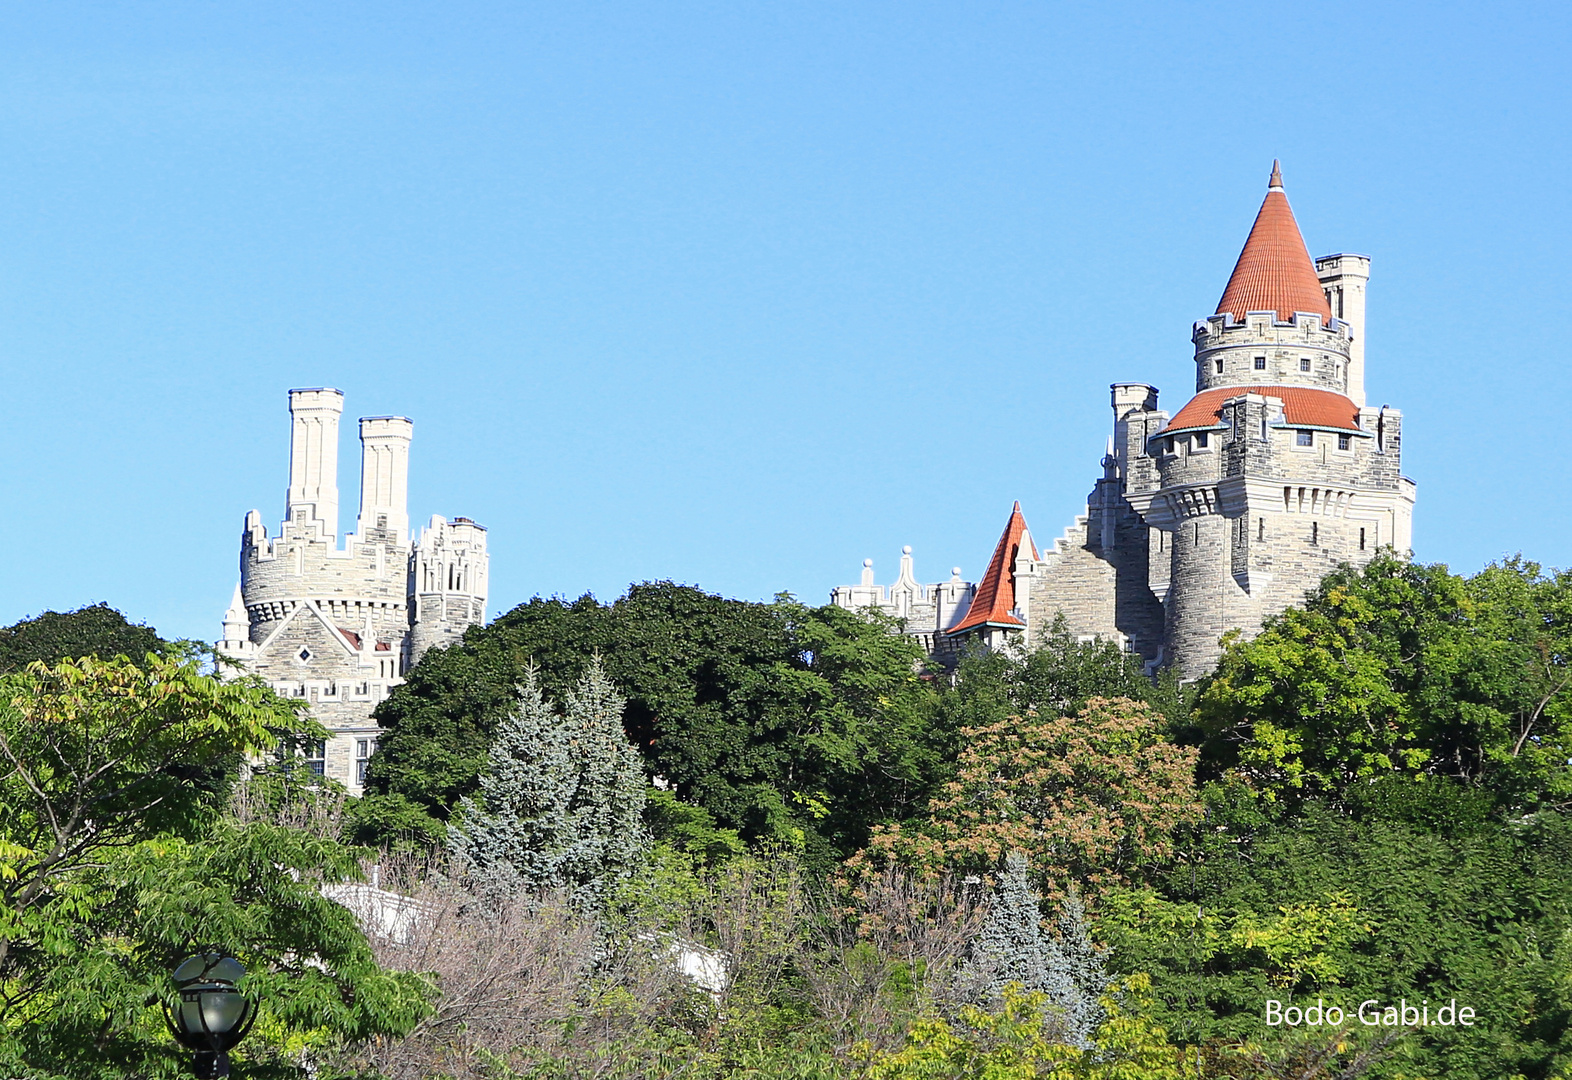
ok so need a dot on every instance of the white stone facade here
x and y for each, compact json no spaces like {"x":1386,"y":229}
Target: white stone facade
{"x":925,"y":611}
{"x":339,"y":624}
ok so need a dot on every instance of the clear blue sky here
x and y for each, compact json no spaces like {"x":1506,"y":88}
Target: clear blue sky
{"x":735,"y":294}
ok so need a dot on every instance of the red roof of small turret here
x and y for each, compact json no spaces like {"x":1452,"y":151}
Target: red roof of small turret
{"x":995,"y":596}
{"x":1303,"y":406}
{"x":1274,"y":271}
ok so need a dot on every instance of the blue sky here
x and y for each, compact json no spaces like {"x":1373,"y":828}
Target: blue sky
{"x":735,"y":294}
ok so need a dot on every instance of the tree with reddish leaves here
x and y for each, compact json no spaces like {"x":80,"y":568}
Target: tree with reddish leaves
{"x":1092,"y":798}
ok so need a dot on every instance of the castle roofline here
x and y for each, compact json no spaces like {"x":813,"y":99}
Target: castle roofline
{"x":1303,"y":406}
{"x":1274,"y":271}
{"x":995,"y":597}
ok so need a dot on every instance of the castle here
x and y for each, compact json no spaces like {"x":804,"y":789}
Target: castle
{"x":339,"y":626}
{"x":1220,"y":515}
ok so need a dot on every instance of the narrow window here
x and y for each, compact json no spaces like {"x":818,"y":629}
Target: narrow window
{"x":1315,"y":532}
{"x":363,"y":748}
{"x":1260,"y":363}
{"x":1304,"y":363}
{"x":1197,"y":532}
{"x":1260,"y":528}
{"x":1344,"y":442}
{"x":1200,"y":440}
{"x":1263,"y":429}
{"x":315,"y":753}
{"x":1361,"y":539}
{"x":1217,"y":366}
{"x":1304,"y":438}
{"x":1168,"y":445}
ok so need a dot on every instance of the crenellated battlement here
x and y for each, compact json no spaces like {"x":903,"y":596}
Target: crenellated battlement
{"x":1263,"y":349}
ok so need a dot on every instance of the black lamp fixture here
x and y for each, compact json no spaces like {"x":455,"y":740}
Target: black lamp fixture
{"x":213,"y":1015}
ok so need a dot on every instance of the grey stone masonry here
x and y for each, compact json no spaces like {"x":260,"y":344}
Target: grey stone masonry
{"x":1217,"y":517}
{"x":339,"y":624}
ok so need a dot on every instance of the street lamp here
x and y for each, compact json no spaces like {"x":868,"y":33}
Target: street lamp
{"x":213,"y":1015}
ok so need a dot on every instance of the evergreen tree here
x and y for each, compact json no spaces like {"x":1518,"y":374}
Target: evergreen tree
{"x":1013,"y":947}
{"x":610,"y":837}
{"x":518,"y":832}
{"x":562,"y":798}
{"x":1082,"y":964}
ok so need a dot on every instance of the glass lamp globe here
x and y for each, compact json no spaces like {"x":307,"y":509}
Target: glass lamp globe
{"x":213,"y":1014}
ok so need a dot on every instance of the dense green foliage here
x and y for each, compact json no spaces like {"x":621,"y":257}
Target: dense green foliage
{"x":1370,"y":800}
{"x":1386,"y":819}
{"x":1406,"y":671}
{"x":119,"y":856}
{"x":98,"y":630}
{"x":799,"y":725}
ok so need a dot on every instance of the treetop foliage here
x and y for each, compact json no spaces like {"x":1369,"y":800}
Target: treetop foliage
{"x":97,"y":630}
{"x":1404,"y":672}
{"x":1092,"y":798}
{"x":800,"y":725}
{"x":119,"y":856}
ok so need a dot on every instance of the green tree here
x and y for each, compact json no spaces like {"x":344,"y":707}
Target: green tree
{"x":114,"y":865}
{"x":1402,"y":672}
{"x":801,"y":725}
{"x":97,"y":630}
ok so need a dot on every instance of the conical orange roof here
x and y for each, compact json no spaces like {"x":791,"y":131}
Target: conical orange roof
{"x":995,"y":596}
{"x":1274,"y":271}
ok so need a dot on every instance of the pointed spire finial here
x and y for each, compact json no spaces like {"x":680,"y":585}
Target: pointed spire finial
{"x":1277,"y":177}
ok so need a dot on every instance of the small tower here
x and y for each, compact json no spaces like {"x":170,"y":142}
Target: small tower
{"x":1273,"y":473}
{"x":448,"y":574}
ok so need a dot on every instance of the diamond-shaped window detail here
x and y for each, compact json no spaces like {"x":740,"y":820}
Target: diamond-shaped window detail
{"x":305,"y":654}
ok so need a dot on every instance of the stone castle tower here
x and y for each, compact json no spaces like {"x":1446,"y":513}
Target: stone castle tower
{"x":1232,"y":509}
{"x":340,"y":625}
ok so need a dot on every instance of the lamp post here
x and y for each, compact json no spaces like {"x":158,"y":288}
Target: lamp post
{"x":213,"y":1015}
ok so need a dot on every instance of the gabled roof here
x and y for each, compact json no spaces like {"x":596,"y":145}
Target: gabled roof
{"x":1274,"y":271}
{"x":995,"y":596}
{"x":1303,"y":406}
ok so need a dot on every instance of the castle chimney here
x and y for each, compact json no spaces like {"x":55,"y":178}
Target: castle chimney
{"x":384,"y":479}
{"x":313,"y":461}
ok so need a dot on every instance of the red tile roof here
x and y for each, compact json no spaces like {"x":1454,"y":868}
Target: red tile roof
{"x":354,"y":638}
{"x":1274,"y":271}
{"x":995,"y":596}
{"x":1303,"y":406}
